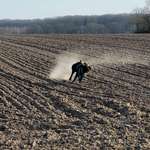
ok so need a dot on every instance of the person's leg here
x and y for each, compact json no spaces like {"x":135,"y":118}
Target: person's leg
{"x":80,"y":74}
{"x":71,"y":75}
{"x":81,"y":77}
{"x":75,"y":77}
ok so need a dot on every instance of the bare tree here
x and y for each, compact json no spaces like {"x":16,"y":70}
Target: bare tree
{"x":147,"y":7}
{"x":141,"y":18}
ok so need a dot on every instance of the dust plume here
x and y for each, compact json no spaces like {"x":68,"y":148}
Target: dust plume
{"x":62,"y":69}
{"x":117,"y":59}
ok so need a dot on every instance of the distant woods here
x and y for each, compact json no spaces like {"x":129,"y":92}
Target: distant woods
{"x":69,"y":25}
{"x":125,"y":23}
{"x":141,"y":22}
{"x":141,"y":18}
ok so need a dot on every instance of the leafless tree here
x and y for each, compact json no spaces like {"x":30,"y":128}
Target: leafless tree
{"x":141,"y":18}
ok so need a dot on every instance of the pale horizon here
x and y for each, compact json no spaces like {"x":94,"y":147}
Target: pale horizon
{"x":38,"y":9}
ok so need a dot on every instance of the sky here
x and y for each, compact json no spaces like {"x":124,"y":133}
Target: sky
{"x":33,"y":9}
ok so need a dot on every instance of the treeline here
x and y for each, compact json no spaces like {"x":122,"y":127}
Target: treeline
{"x":142,"y":23}
{"x":70,"y":24}
{"x":141,"y":18}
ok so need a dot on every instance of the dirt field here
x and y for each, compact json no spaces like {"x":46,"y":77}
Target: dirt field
{"x":41,"y":109}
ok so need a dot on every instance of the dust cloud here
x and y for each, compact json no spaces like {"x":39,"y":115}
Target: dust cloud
{"x":117,"y":59}
{"x":62,"y":69}
{"x":64,"y":62}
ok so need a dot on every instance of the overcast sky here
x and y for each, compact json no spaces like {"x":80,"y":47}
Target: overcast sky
{"x":29,"y":9}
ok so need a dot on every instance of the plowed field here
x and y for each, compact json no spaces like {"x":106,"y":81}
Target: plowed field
{"x":110,"y":109}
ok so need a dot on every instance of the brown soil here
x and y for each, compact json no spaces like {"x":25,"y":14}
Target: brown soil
{"x":41,"y":109}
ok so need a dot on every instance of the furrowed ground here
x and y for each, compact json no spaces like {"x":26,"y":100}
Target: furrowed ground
{"x":110,"y":109}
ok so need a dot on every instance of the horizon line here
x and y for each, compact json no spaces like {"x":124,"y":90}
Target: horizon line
{"x":57,"y":17}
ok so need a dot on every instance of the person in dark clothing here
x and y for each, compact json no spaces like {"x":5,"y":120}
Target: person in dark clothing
{"x":80,"y":69}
